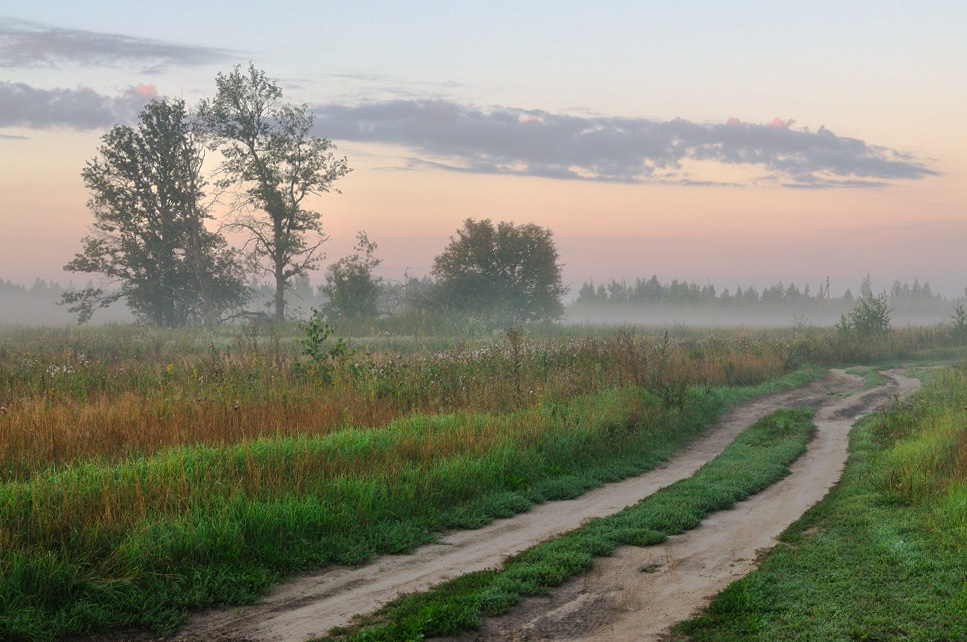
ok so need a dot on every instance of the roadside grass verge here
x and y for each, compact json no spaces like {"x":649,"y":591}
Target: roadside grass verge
{"x":94,"y":547}
{"x":757,"y":458}
{"x":882,"y":557}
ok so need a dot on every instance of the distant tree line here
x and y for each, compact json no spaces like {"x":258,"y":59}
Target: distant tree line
{"x":40,"y":289}
{"x":651,"y":292}
{"x":36,"y":304}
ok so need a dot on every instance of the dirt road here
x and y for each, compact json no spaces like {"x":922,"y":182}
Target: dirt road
{"x":639,"y":593}
{"x":615,"y":601}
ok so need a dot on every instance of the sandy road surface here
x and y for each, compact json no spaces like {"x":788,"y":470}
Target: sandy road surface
{"x":639,"y":593}
{"x":594,"y":606}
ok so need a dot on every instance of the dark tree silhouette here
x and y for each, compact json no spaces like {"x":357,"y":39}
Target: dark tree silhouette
{"x":504,"y":271}
{"x":149,"y":236}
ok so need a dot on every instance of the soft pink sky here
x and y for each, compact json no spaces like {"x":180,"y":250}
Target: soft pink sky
{"x":886,"y":75}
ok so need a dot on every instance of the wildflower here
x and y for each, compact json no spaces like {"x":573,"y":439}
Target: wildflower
{"x":55,"y":371}
{"x":170,"y":367}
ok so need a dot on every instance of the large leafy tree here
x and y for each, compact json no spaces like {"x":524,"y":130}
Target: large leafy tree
{"x":351,"y":286}
{"x":505,"y":270}
{"x":149,"y":236}
{"x":271,"y":155}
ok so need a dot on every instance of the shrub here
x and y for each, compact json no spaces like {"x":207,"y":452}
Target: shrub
{"x":869,"y":318}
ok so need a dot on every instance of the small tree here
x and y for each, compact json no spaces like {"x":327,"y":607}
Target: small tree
{"x":272,"y":155}
{"x":504,"y":271}
{"x":869,"y":318}
{"x":959,"y":320}
{"x":352,"y":288}
{"x":149,"y":236}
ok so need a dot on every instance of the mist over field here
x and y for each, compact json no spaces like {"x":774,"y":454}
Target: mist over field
{"x":698,"y":316}
{"x":40,"y":304}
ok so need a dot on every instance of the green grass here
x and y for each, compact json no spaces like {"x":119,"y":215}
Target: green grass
{"x":882,"y":557}
{"x":757,"y":458}
{"x":871,"y":376}
{"x":93,"y":547}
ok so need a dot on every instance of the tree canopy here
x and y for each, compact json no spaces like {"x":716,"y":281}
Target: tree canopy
{"x":149,"y":236}
{"x":352,"y":288}
{"x":271,"y":155}
{"x":504,"y":270}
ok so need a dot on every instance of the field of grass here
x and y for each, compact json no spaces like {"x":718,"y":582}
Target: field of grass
{"x":882,"y":557}
{"x":144,"y":473}
{"x":106,"y":394}
{"x":757,"y":458}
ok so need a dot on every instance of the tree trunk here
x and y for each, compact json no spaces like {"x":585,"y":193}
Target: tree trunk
{"x":279,"y":292}
{"x":201,"y":273}
{"x":278,"y":255}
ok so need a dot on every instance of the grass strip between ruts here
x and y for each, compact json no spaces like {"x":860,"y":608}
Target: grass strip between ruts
{"x":757,"y":458}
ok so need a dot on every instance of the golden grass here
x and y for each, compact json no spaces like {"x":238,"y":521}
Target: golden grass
{"x":85,"y":400}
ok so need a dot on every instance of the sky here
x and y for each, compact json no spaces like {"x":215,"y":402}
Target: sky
{"x":737,"y":144}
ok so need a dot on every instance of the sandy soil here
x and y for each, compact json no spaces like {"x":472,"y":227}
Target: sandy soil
{"x":617,"y":600}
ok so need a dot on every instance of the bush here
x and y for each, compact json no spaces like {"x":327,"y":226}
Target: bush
{"x":959,"y":320}
{"x":869,"y":318}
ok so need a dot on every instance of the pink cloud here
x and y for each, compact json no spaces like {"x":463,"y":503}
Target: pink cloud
{"x":131,"y":101}
{"x":784,"y":124}
{"x":733,"y":121}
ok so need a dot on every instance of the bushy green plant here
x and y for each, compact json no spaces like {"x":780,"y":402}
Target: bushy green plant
{"x":325,"y":355}
{"x":351,"y":286}
{"x":959,"y":320}
{"x":869,"y":317}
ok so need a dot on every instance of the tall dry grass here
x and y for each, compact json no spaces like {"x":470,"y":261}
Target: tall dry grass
{"x":108,"y":394}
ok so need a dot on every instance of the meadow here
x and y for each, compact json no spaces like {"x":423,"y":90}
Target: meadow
{"x":146,"y":472}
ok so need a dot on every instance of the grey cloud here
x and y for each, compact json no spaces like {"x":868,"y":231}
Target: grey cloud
{"x":830,"y":183}
{"x":82,"y":108}
{"x":524,"y":142}
{"x":393,"y":83}
{"x":27,"y":44}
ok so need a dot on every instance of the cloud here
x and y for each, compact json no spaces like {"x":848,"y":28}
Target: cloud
{"x":26,"y":44}
{"x":82,"y":108}
{"x":508,"y":140}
